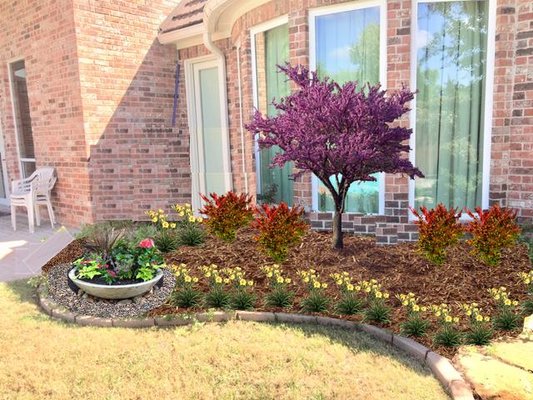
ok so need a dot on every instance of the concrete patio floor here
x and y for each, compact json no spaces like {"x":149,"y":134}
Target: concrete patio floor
{"x":22,"y":254}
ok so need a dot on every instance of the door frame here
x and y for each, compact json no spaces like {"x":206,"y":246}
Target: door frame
{"x":192,"y":87}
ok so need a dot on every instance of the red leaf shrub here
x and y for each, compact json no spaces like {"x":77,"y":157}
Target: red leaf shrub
{"x":226,"y":214}
{"x":492,"y":231}
{"x":280,"y":228}
{"x":438,"y":229}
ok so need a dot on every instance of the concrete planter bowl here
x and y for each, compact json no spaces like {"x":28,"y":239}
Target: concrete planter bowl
{"x":115,"y":292}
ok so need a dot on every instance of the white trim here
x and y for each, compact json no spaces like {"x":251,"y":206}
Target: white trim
{"x":192,"y":68}
{"x":183,"y":37}
{"x":263,"y":27}
{"x":338,"y":8}
{"x":14,"y":111}
{"x":489,"y":94}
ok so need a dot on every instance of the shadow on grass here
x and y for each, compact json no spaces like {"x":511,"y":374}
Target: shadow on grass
{"x":25,"y":292}
{"x":356,"y":342}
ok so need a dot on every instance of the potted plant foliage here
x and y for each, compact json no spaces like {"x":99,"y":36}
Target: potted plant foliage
{"x":116,"y":265}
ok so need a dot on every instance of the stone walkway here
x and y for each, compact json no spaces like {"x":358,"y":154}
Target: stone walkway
{"x":22,"y":254}
{"x":503,"y":370}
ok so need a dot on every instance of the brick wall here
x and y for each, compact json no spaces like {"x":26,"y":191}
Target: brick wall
{"x":137,"y":159}
{"x":43,"y":34}
{"x":511,"y":180}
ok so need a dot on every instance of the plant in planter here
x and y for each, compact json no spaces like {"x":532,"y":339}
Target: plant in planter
{"x":114,"y":262}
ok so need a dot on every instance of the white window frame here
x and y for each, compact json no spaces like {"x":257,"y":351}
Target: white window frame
{"x":260,"y":28}
{"x":192,"y":87}
{"x":339,"y":8}
{"x":14,"y":111}
{"x":489,"y":94}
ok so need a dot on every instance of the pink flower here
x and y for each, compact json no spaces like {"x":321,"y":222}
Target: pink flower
{"x":146,"y":243}
{"x":112,"y":273}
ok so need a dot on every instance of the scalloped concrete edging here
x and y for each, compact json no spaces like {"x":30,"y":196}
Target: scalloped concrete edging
{"x":441,"y":367}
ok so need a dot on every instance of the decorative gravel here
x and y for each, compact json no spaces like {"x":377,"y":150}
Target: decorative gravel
{"x":82,"y":303}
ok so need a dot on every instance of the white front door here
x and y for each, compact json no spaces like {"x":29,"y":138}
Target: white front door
{"x":210,"y":166}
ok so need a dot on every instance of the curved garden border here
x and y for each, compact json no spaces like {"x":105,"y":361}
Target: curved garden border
{"x":441,"y":366}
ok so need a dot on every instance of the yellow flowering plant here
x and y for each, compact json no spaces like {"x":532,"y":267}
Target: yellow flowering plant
{"x":448,"y":335}
{"x":506,"y":318}
{"x":376,"y":298}
{"x":185,"y":293}
{"x":280,"y":295}
{"x":316,"y":300}
{"x":480,"y":331}
{"x":527,"y":279}
{"x":415,"y":324}
{"x":186,"y":215}
{"x":350,"y":303}
{"x":229,"y":287}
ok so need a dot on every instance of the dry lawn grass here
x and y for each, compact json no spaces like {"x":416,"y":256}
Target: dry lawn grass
{"x":45,"y":359}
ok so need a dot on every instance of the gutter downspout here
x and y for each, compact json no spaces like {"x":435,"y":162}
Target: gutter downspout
{"x":208,"y":42}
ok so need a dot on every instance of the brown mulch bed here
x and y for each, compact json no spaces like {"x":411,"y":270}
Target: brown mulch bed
{"x":399,"y":268}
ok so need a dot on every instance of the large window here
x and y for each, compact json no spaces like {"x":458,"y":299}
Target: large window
{"x":347,"y":45}
{"x":21,"y":103}
{"x":451,"y":43}
{"x":271,"y":48}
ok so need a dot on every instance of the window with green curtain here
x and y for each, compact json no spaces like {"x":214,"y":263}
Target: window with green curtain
{"x":272,"y":49}
{"x":347,"y":49}
{"x":451,"y":57}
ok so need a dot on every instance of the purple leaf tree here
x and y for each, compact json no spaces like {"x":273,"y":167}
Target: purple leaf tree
{"x":342,"y":134}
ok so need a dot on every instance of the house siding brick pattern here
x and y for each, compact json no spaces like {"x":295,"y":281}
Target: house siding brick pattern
{"x":43,"y":35}
{"x":511,"y":172}
{"x":101,"y":104}
{"x":138,"y":160}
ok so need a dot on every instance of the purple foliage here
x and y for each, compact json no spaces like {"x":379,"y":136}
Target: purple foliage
{"x":337,"y":130}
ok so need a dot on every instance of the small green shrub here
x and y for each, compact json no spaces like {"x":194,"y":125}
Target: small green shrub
{"x":438,"y":229}
{"x":414,"y":326}
{"x":448,"y":336}
{"x":316,"y":301}
{"x":217,"y":297}
{"x":226,"y":214}
{"x":527,"y":307}
{"x":492,"y":231}
{"x":479,"y":335}
{"x":349,"y":304}
{"x":190,"y":235}
{"x":506,"y":320}
{"x":280,"y":297}
{"x":243,"y":300}
{"x":378,"y":312}
{"x":186,"y":297}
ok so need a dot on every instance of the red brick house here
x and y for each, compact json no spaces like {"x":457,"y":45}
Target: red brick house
{"x":143,"y":104}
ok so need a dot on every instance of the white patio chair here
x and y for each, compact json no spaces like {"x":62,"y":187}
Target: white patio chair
{"x":32,"y":192}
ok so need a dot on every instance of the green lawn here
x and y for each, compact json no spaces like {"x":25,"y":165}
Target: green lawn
{"x":44,"y":359}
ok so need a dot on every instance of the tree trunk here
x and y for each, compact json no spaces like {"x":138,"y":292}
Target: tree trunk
{"x":337,"y":231}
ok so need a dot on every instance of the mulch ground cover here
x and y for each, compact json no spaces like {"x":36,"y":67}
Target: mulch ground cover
{"x":399,"y":268}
